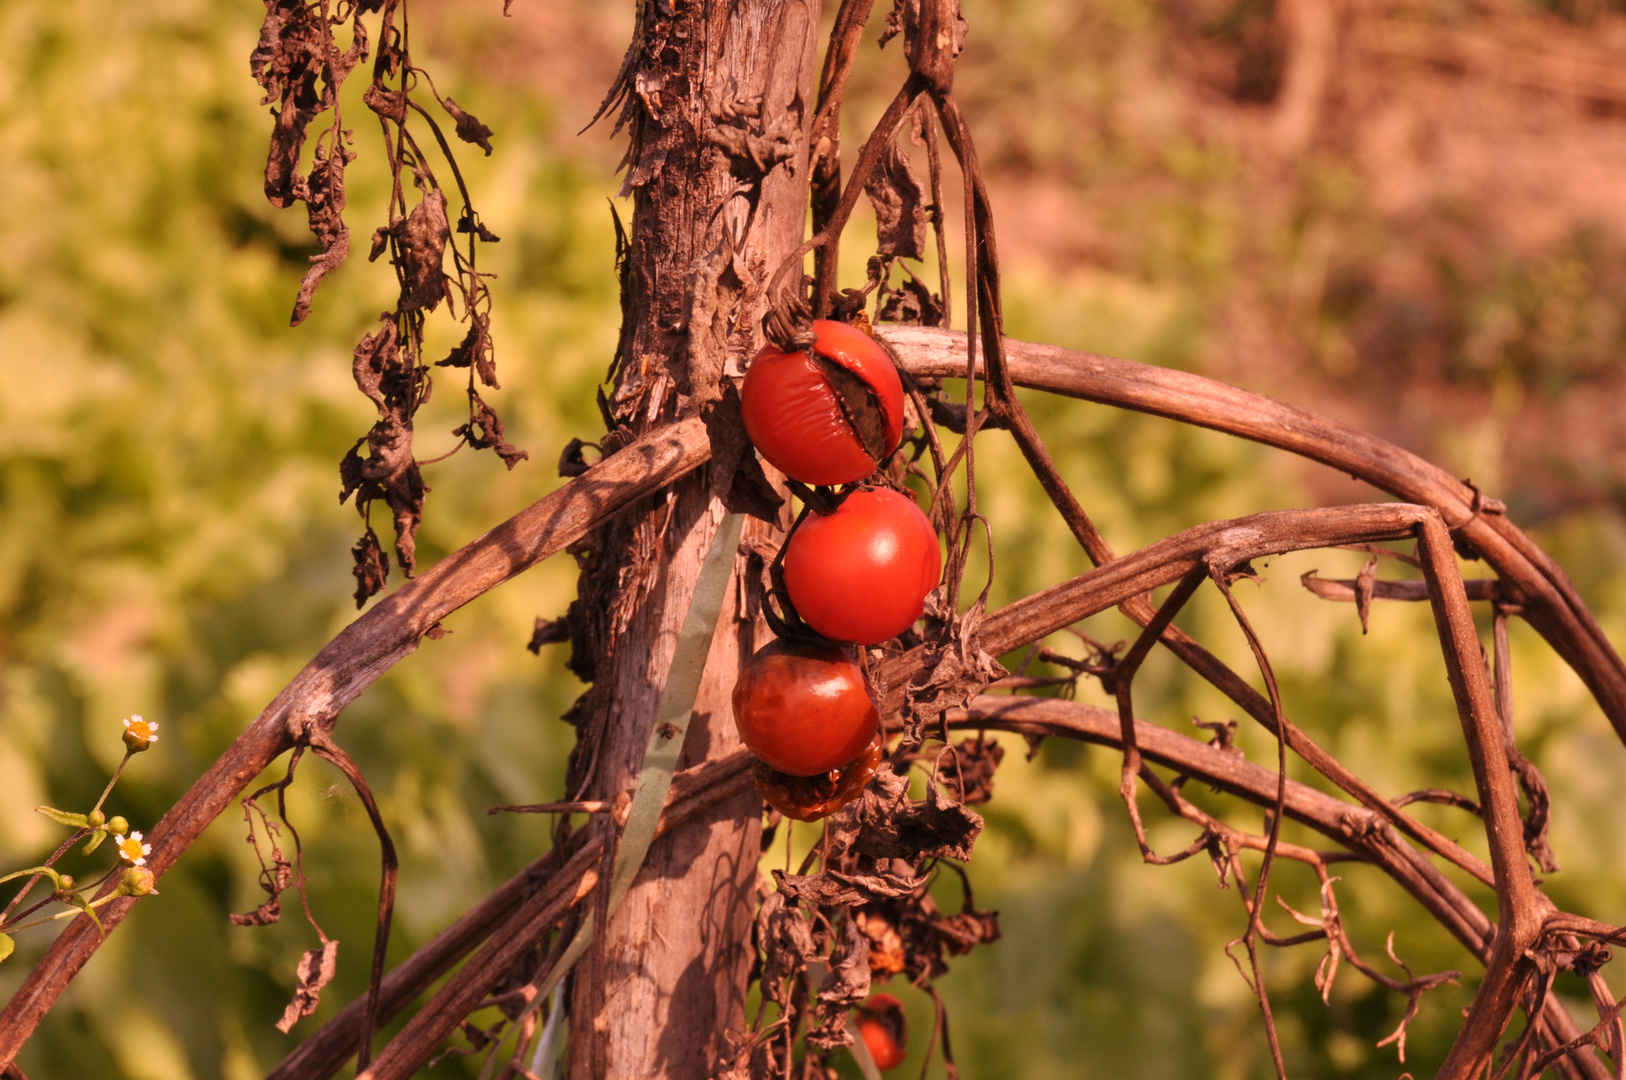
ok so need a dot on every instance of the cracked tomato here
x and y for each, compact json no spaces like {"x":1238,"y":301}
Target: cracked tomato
{"x":826,"y":416}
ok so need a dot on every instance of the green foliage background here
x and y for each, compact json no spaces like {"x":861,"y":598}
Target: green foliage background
{"x":171,"y":545}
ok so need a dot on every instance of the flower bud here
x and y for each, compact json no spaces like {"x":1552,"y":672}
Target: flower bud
{"x":117,"y":824}
{"x":64,"y":887}
{"x":136,"y":881}
{"x":96,"y":819}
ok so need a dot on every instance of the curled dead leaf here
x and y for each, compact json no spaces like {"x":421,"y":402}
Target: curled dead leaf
{"x":316,"y":970}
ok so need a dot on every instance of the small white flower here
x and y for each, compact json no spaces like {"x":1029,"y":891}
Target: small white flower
{"x":132,"y":852}
{"x":139,"y":733}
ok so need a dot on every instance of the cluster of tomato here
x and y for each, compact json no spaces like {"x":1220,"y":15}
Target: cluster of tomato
{"x":857,"y":576}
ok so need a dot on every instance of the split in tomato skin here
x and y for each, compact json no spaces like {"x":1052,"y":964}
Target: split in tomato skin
{"x":800,"y":420}
{"x":862,"y":573}
{"x":804,"y":708}
{"x":880,"y":1025}
{"x":809,"y":798}
{"x":859,"y":353}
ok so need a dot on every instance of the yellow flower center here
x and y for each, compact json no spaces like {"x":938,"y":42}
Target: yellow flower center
{"x":141,"y":729}
{"x":130,"y":850}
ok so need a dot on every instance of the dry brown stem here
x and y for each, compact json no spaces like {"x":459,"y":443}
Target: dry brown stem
{"x":1529,"y":576}
{"x":392,"y":629}
{"x":1519,"y":908}
{"x":1353,"y":827}
{"x":353,"y":660}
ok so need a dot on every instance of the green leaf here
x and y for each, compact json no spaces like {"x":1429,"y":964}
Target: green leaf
{"x":56,"y":878}
{"x":7,"y":946}
{"x":62,"y":817}
{"x":94,"y":842}
{"x":84,"y":905}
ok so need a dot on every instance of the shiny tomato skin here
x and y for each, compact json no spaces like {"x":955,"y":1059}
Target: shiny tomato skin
{"x":880,"y":1025}
{"x":862,"y":573}
{"x":794,"y":416}
{"x":804,"y":708}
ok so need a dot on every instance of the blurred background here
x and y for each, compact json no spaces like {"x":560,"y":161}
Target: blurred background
{"x":1408,"y":215}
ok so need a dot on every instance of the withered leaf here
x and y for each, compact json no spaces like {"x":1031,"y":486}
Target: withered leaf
{"x":469,"y":128}
{"x":387,"y":103}
{"x":371,"y":570}
{"x":819,"y":890}
{"x":323,"y":193}
{"x":968,"y":773}
{"x":572,"y":462}
{"x":786,"y":941}
{"x":911,"y":304}
{"x":265,"y":915}
{"x":900,"y":205}
{"x":844,"y":985}
{"x":548,"y":632}
{"x":316,"y":969}
{"x":295,"y":41}
{"x":469,"y":222}
{"x":963,"y":932}
{"x":484,"y":431}
{"x":847,"y":982}
{"x":421,"y":238}
{"x":1365,"y":584}
{"x":379,"y":371}
{"x":891,"y":878}
{"x":274,"y":880}
{"x":955,"y":668}
{"x":475,"y":350}
{"x":895,"y":828}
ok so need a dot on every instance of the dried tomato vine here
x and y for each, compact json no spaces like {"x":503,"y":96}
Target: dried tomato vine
{"x":299,"y":64}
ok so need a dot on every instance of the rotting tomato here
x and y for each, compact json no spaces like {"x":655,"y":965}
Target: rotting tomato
{"x":827,"y":416}
{"x":880,"y":1025}
{"x":862,"y":573}
{"x":808,"y":798}
{"x":803,"y":707}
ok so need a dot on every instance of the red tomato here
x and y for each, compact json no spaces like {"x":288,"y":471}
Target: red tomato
{"x":828,"y":417}
{"x":880,"y":1024}
{"x":862,"y":573}
{"x":804,"y":708}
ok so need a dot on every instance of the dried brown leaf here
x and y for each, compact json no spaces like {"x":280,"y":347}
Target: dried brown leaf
{"x":911,"y":303}
{"x":372,"y":567}
{"x":420,"y":240}
{"x":900,"y":205}
{"x":484,"y":431}
{"x":935,"y":827}
{"x":316,"y":969}
{"x":387,"y":103}
{"x":323,"y":194}
{"x":475,"y":350}
{"x":844,"y":985}
{"x":786,"y":940}
{"x":469,"y":128}
{"x":1364,"y":584}
{"x":967,"y":773}
{"x":955,"y":668}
